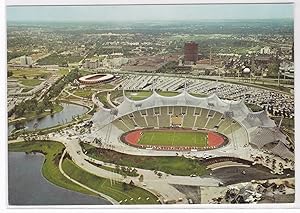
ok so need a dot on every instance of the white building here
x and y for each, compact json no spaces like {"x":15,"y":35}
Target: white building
{"x":25,"y":60}
{"x":265,"y":50}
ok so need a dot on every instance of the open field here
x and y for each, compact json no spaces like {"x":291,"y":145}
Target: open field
{"x":117,"y":190}
{"x":30,"y":73}
{"x":171,"y":165}
{"x":85,"y":93}
{"x":52,"y":151}
{"x":173,"y":138}
{"x":62,"y":71}
{"x":30,"y":82}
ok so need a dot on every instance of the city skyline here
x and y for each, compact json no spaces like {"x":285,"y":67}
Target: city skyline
{"x":149,"y":12}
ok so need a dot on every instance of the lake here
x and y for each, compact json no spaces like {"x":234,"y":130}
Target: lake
{"x":64,"y":116}
{"x":27,"y":186}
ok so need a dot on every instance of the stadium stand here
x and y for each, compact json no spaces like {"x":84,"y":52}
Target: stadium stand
{"x":139,"y":120}
{"x":164,"y":118}
{"x":177,"y":110}
{"x":197,"y":111}
{"x":151,"y":118}
{"x":120,"y":125}
{"x":128,"y":122}
{"x":189,"y":118}
{"x":225,"y":123}
{"x":214,"y":120}
{"x":202,"y":119}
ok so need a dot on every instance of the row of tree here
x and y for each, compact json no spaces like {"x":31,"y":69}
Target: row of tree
{"x":59,"y":86}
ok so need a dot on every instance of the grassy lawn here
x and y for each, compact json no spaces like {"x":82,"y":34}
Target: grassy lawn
{"x":103,"y":86}
{"x":171,"y":165}
{"x":85,"y":93}
{"x":102,"y":98}
{"x":174,"y":138}
{"x":138,"y":95}
{"x":29,"y":72}
{"x":30,"y":82}
{"x":62,"y":71}
{"x":122,"y":170}
{"x":52,"y":151}
{"x":117,"y":190}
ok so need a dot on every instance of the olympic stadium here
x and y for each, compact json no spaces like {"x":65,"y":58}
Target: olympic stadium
{"x":241,"y":128}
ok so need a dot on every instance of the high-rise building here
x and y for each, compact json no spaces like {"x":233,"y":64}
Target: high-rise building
{"x":191,"y":51}
{"x":28,"y":60}
{"x":25,"y":60}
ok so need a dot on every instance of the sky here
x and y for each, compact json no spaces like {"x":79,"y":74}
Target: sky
{"x":149,"y":12}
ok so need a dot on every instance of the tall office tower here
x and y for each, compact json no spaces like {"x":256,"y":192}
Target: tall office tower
{"x":191,"y":51}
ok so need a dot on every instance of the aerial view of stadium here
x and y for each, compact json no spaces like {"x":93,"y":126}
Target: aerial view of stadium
{"x":184,"y":110}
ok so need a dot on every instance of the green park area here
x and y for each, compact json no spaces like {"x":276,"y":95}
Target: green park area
{"x":84,"y":93}
{"x":173,"y":138}
{"x":52,"y":152}
{"x":127,"y":193}
{"x":29,"y":73}
{"x":171,"y":165}
{"x":63,"y":71}
{"x":31,"y":109}
{"x":30,"y":82}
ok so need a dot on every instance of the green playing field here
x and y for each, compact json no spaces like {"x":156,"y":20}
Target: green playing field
{"x":174,"y":138}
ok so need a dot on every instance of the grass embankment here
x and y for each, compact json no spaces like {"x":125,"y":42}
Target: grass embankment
{"x":85,"y":93}
{"x":102,"y":97}
{"x":52,"y":151}
{"x":122,"y":170}
{"x":174,"y":138}
{"x":171,"y":165}
{"x":118,"y":191}
{"x":30,"y":82}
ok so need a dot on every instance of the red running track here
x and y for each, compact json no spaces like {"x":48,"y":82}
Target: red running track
{"x":133,"y":137}
{"x":214,"y":139}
